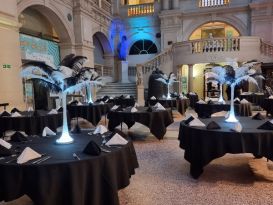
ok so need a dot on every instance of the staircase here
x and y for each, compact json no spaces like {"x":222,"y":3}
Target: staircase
{"x":117,"y":89}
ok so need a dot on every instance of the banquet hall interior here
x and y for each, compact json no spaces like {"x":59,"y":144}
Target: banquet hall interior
{"x":136,"y":102}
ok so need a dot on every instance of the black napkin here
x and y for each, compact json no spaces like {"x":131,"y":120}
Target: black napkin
{"x":36,"y":113}
{"x":14,"y":110}
{"x":5,"y":114}
{"x":213,"y":126}
{"x":18,"y":137}
{"x":119,"y":109}
{"x":60,"y":109}
{"x":237,"y":101}
{"x":92,"y":149}
{"x":150,"y":109}
{"x":74,"y":102}
{"x":266,"y":126}
{"x":191,"y":118}
{"x":4,"y":151}
{"x":210,"y":102}
{"x":258,"y":116}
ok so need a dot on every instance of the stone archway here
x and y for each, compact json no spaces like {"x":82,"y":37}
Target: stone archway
{"x":54,"y":14}
{"x":234,"y":22}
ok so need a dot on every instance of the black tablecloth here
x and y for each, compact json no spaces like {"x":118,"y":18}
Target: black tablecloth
{"x":254,"y":98}
{"x":91,"y":112}
{"x":206,"y":110}
{"x":32,"y":125}
{"x":268,"y":106}
{"x":180,"y":104}
{"x":64,"y":180}
{"x":193,"y":99}
{"x":124,"y":102}
{"x":202,"y":146}
{"x":156,"y":121}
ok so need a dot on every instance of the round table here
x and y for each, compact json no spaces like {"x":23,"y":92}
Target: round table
{"x":202,"y":146}
{"x":268,"y":106}
{"x":193,"y":99}
{"x":31,"y":124}
{"x":156,"y":121}
{"x":91,"y":112}
{"x":205,"y":110}
{"x":181,"y":104}
{"x":257,"y":99}
{"x":64,"y":180}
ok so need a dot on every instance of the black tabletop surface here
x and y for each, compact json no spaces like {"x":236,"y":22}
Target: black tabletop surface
{"x":64,"y":180}
{"x":91,"y":112}
{"x":180,"y":104}
{"x":202,"y":146}
{"x":30,"y":123}
{"x":156,"y":121}
{"x":206,"y":110}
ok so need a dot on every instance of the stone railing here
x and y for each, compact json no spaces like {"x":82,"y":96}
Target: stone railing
{"x":213,"y":3}
{"x":140,"y":10}
{"x":266,"y":48}
{"x":103,"y":70}
{"x":215,"y":45}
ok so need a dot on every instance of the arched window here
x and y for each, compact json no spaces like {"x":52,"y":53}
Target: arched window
{"x":144,"y":46}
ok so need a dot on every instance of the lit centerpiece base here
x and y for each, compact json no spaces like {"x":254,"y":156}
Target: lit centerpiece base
{"x":231,"y":118}
{"x":65,"y":139}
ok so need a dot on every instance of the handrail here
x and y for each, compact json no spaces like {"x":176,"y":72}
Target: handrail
{"x":266,"y":48}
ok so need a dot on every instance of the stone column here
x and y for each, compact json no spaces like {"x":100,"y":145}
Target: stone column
{"x":11,"y":86}
{"x":165,"y":4}
{"x":175,"y":4}
{"x":190,"y":78}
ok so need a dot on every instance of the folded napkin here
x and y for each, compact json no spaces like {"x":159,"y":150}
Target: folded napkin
{"x":188,"y":120}
{"x":18,"y":137}
{"x":101,"y":102}
{"x":4,"y":151}
{"x":127,"y":97}
{"x":119,"y":109}
{"x":27,"y":154}
{"x":184,"y":97}
{"x":106,"y":100}
{"x":164,"y":96}
{"x":115,"y":107}
{"x":213,"y":126}
{"x":237,"y":127}
{"x":258,"y":116}
{"x":92,"y":149}
{"x":16,"y":114}
{"x":210,"y":102}
{"x":100,"y":130}
{"x":79,"y":103}
{"x":14,"y":110}
{"x":153,"y":98}
{"x":196,"y":123}
{"x":237,"y":100}
{"x":246,"y":93}
{"x":201,"y":101}
{"x":134,"y":109}
{"x":47,"y":132}
{"x":268,"y":125}
{"x":117,"y":140}
{"x":59,"y":109}
{"x":111,"y":98}
{"x":5,"y":144}
{"x":30,"y":109}
{"x":136,"y":105}
{"x":244,"y":101}
{"x":270,"y":97}
{"x":158,"y":106}
{"x":5,"y":114}
{"x":150,"y":109}
{"x":53,"y":111}
{"x":227,"y":115}
{"x":192,"y":93}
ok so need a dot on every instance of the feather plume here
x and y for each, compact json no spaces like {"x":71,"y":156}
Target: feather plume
{"x":162,"y":80}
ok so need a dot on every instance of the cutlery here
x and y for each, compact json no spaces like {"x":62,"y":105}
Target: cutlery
{"x":105,"y":150}
{"x":43,"y":159}
{"x":76,"y":156}
{"x":40,"y":158}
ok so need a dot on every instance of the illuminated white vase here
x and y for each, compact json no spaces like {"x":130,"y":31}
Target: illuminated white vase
{"x":65,"y":137}
{"x":231,"y":117}
{"x":168,"y":95}
{"x":89,"y":94}
{"x":221,"y":99}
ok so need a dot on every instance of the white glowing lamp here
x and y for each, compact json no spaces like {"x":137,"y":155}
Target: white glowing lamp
{"x":231,"y":117}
